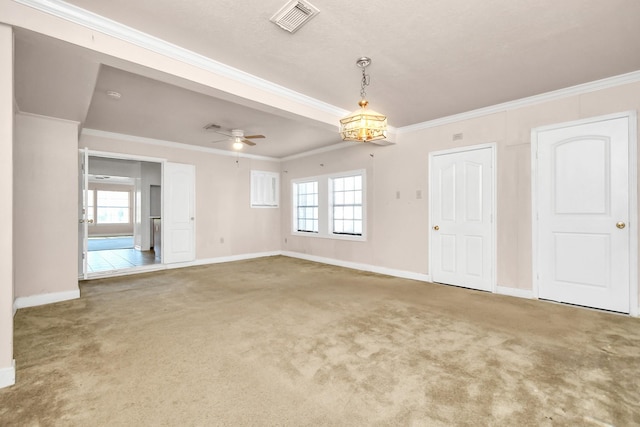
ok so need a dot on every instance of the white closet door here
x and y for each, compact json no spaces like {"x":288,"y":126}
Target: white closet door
{"x":462,"y":218}
{"x":178,"y":221}
{"x":583,"y":214}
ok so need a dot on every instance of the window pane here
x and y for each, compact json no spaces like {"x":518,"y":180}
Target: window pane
{"x":348,"y":212}
{"x":347,"y":205}
{"x":113,"y":199}
{"x":357,"y":212}
{"x":357,"y":182}
{"x":113,"y":215}
{"x":307,"y":206}
{"x":349,"y":198}
{"x":348,"y":183}
{"x":348,"y":227}
{"x":112,"y":207}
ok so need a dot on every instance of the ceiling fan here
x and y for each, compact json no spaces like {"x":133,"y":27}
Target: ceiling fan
{"x":236,"y":135}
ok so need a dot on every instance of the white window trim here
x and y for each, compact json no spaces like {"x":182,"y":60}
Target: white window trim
{"x":325,"y":211}
{"x":294,"y":205}
{"x":256,"y":201}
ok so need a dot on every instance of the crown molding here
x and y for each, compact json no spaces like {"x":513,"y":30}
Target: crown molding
{"x":172,"y":144}
{"x":53,"y":119}
{"x":338,"y":146}
{"x":580,"y":89}
{"x":115,"y":29}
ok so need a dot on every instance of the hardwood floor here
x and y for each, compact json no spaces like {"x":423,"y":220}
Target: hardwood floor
{"x":118,"y":259}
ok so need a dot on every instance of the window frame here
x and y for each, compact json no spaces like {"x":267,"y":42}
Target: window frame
{"x":95,"y":188}
{"x":295,"y":198}
{"x":325,"y":206}
{"x":332,"y":203}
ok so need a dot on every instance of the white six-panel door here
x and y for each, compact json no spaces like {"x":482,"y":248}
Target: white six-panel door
{"x":179,"y":213}
{"x":583,"y":216}
{"x":462,"y":200}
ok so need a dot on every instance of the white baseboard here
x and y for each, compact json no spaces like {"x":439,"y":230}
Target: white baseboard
{"x":515,"y":292}
{"x":42,"y":299}
{"x":219,"y":260}
{"x":8,"y":375}
{"x":363,"y":267}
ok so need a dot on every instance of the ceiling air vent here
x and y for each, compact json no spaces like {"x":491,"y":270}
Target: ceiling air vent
{"x":294,"y":15}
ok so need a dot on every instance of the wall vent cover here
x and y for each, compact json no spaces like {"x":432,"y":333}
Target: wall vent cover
{"x":294,"y":15}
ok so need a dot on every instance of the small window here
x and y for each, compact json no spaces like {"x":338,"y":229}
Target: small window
{"x":265,"y":189}
{"x":109,"y":206}
{"x":346,"y":205}
{"x":306,"y":206}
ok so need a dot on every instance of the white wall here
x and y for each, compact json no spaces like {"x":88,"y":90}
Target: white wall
{"x":151,"y":175}
{"x":46,"y":206}
{"x":7,"y":371}
{"x":226,"y":225}
{"x":398,"y":228}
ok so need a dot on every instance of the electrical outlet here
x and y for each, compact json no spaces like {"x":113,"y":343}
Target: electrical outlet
{"x":397,"y":194}
{"x":222,"y":240}
{"x":418,"y":194}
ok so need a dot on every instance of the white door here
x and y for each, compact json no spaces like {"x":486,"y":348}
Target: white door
{"x":462,"y":200}
{"x":178,"y":221}
{"x":583,"y":217}
{"x":83,"y":184}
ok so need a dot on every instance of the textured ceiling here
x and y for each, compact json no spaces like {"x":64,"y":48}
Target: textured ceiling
{"x":430,"y":58}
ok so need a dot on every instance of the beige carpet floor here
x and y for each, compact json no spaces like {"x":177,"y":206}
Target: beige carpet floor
{"x":281,"y":341}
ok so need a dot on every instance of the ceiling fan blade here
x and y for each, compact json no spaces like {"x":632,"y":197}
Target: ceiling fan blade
{"x":220,"y":140}
{"x":254,"y":136}
{"x":222,"y":132}
{"x":251,"y":143}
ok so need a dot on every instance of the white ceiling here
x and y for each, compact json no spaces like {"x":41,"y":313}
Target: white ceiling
{"x":430,"y":59}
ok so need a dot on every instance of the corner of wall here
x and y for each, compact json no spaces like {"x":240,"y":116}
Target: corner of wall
{"x":8,"y":375}
{"x":42,"y":299}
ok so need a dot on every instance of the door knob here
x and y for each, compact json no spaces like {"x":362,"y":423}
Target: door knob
{"x":621,"y":225}
{"x":90,"y":221}
{"x":436,"y":227}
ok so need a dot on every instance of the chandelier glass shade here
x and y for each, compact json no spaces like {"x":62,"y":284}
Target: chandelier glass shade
{"x":363,"y":125}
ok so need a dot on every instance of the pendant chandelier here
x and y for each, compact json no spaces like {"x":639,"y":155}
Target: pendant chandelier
{"x":363,"y":125}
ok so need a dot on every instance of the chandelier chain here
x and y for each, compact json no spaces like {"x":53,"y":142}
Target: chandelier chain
{"x":364,"y":83}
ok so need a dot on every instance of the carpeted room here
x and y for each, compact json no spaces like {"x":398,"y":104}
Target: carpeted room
{"x":259,"y":322}
{"x":283,"y":341}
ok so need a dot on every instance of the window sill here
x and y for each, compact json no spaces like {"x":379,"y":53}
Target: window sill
{"x":347,"y":237}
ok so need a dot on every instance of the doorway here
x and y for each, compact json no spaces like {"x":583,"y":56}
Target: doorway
{"x":462,"y":206}
{"x":584,"y":212}
{"x":117,"y":210}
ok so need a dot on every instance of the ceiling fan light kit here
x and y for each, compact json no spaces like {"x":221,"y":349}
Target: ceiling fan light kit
{"x":363,"y":125}
{"x":236,"y":136}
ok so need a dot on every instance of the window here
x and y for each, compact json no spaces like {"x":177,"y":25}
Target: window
{"x":330,"y":206}
{"x":91,"y":205}
{"x":346,"y":206}
{"x":265,"y":189}
{"x":306,"y":203}
{"x":109,"y":206}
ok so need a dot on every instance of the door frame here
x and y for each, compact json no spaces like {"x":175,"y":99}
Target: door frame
{"x":633,"y":200}
{"x":493,"y":147}
{"x":121,"y":156}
